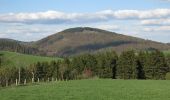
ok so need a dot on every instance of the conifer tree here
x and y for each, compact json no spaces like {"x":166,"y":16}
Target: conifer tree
{"x":127,"y":66}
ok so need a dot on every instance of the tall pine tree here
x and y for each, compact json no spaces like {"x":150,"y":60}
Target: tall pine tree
{"x":127,"y":66}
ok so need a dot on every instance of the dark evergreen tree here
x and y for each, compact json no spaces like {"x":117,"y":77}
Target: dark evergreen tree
{"x":168,"y":62}
{"x":51,"y":69}
{"x":156,"y":66}
{"x":82,"y":63}
{"x":1,"y":59}
{"x":127,"y":67}
{"x":23,"y":75}
{"x":106,"y":64}
{"x":41,"y":70}
{"x":66,"y":63}
{"x":141,"y":59}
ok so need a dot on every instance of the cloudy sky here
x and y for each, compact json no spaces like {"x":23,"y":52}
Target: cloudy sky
{"x":30,"y":20}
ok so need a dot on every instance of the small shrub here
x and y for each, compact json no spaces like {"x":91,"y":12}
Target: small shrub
{"x":167,"y":77}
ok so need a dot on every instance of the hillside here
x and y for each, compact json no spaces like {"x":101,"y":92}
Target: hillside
{"x":84,"y":39}
{"x":18,"y":46}
{"x":22,"y":60}
{"x":80,"y":40}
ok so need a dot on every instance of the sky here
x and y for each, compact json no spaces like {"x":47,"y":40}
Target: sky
{"x":31,"y":20}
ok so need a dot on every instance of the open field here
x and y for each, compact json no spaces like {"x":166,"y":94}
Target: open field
{"x":20,"y":60}
{"x":98,"y":89}
{"x":167,"y":52}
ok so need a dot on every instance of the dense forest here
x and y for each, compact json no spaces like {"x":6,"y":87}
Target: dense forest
{"x":128,"y":65}
{"x":17,"y":46}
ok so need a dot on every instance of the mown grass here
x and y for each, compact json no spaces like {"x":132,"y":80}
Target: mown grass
{"x":22,"y":60}
{"x":98,"y":89}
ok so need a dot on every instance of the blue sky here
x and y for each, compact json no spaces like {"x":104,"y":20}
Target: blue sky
{"x":30,"y":20}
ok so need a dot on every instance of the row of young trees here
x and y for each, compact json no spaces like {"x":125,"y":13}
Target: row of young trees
{"x":128,"y":65}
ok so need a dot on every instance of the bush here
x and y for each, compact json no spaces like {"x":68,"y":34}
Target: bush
{"x":167,"y":77}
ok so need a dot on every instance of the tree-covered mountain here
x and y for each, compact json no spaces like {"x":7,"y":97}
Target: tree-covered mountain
{"x":78,"y":40}
{"x":84,"y":39}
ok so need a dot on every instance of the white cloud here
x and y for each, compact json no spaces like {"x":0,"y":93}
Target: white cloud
{"x":108,"y":27}
{"x":24,"y":31}
{"x":55,"y":17}
{"x":2,"y":35}
{"x":153,"y":22}
{"x":158,"y":29}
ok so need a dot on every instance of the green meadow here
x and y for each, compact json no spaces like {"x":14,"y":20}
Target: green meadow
{"x":167,"y":52}
{"x":21,"y":60}
{"x":94,"y":89}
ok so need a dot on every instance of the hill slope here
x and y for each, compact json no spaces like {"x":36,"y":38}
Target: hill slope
{"x":18,"y":46}
{"x":22,"y":60}
{"x":80,"y":40}
{"x":84,"y":39}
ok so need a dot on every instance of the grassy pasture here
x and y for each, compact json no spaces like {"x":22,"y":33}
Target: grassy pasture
{"x":98,"y":89}
{"x":19,"y":60}
{"x":167,"y":52}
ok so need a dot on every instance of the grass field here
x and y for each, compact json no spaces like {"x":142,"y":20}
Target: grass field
{"x":166,"y":52}
{"x":98,"y":89}
{"x":19,"y":60}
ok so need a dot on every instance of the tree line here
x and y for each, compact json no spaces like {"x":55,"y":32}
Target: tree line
{"x":17,"y":46}
{"x":127,"y":65}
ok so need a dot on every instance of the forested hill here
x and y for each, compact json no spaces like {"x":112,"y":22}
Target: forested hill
{"x":78,"y":40}
{"x":84,"y":39}
{"x":18,"y":46}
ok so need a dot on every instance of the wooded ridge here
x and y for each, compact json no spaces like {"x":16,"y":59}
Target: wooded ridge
{"x":80,"y":40}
